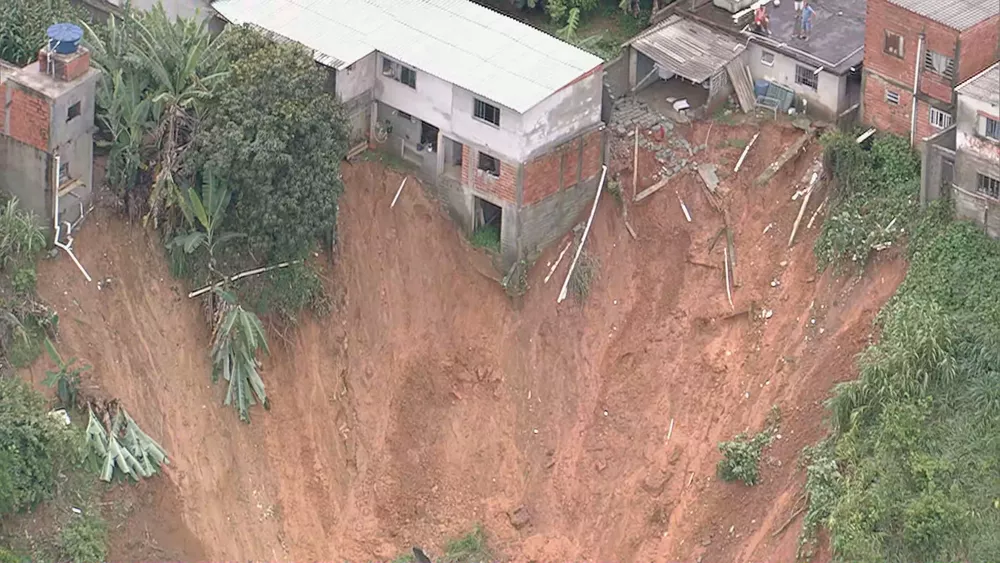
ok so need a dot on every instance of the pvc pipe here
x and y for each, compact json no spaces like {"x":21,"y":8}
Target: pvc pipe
{"x":55,"y":224}
{"x":916,"y":84}
{"x":586,"y":231}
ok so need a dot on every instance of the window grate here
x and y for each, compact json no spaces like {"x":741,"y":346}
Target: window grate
{"x":989,"y":186}
{"x":939,"y":119}
{"x":806,"y":76}
{"x":486,"y":112}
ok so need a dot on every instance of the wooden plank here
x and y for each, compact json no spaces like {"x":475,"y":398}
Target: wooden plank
{"x":789,"y":153}
{"x":651,"y":190}
{"x":741,"y":84}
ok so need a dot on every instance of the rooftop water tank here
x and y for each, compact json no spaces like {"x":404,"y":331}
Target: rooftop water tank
{"x":64,"y":38}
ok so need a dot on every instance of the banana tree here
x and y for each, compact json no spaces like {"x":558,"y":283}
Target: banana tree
{"x":239,"y":336}
{"x":204,"y":214}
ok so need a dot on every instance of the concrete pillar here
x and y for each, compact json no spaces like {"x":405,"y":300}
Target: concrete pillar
{"x":633,"y":67}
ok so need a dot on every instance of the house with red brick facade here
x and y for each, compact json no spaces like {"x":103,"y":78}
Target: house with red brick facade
{"x":916,"y":53}
{"x":502,"y":120}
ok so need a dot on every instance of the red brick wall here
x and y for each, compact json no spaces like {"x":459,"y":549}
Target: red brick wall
{"x":3,"y":107}
{"x":541,"y":176}
{"x":881,"y":114}
{"x":980,"y":48}
{"x":66,"y":67}
{"x":29,"y":119}
{"x":504,"y":187}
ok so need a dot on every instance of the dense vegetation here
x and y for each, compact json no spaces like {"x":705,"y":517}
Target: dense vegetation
{"x":911,"y":472}
{"x":23,"y":24}
{"x":231,"y":146}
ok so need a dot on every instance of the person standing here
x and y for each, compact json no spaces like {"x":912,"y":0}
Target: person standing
{"x":798,"y":17}
{"x":807,"y":20}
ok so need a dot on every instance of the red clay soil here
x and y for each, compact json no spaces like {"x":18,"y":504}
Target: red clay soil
{"x":428,"y":401}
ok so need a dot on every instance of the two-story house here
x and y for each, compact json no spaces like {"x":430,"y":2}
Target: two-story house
{"x":916,"y":52}
{"x":963,"y":161}
{"x":503,"y":120}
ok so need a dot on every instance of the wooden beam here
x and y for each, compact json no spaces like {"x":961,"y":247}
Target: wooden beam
{"x":789,"y":153}
{"x":651,"y":190}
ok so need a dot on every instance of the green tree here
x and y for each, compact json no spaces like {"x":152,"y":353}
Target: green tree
{"x":23,"y":24}
{"x":34,"y":447}
{"x":239,"y":336}
{"x":276,"y":137}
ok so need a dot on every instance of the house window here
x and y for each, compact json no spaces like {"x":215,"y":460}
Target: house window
{"x":73,"y":111}
{"x":404,"y":115}
{"x":940,"y":119}
{"x":989,"y":186}
{"x":399,"y":73}
{"x":893,"y":44}
{"x":767,"y":58}
{"x":487,"y":112}
{"x":939,"y":64}
{"x":892,"y":97}
{"x":489,"y":164}
{"x":805,"y":76}
{"x":989,"y":127}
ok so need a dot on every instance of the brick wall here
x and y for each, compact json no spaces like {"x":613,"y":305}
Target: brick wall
{"x":980,"y":48}
{"x":504,"y":187}
{"x":29,"y":119}
{"x":3,"y":107}
{"x":880,"y":113}
{"x":883,"y":16}
{"x":542,"y":175}
{"x":66,"y":67}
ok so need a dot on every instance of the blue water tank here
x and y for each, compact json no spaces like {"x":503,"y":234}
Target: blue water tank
{"x":64,"y":38}
{"x":760,"y":87}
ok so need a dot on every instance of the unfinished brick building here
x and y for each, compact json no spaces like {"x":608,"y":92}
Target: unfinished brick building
{"x":916,"y":52}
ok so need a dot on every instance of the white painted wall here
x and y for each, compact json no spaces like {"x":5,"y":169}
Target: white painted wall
{"x":451,"y":108}
{"x":830,"y":95}
{"x":569,"y":110}
{"x":967,"y":137}
{"x":357,"y":78}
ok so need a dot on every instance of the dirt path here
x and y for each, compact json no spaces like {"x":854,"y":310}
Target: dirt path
{"x":427,"y":401}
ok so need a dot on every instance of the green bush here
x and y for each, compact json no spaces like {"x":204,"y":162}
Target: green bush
{"x":34,"y":447}
{"x":874,"y":200}
{"x":470,"y":548}
{"x":285,"y":292}
{"x":85,"y":538}
{"x":486,"y":236}
{"x":25,"y":279}
{"x":741,"y":457}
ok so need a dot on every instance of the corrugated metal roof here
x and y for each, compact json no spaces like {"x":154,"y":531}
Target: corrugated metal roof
{"x":461,"y":42}
{"x":984,"y":86}
{"x":688,"y":48}
{"x":956,"y":14}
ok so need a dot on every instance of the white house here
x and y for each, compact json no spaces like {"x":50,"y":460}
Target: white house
{"x":503,"y":120}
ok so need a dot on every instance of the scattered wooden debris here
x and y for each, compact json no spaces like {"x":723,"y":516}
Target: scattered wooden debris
{"x":253,"y":272}
{"x":864,"y":136}
{"x":650,"y":190}
{"x":687,"y":214}
{"x":670,"y":432}
{"x":586,"y":231}
{"x":399,"y":191}
{"x":818,"y":209}
{"x":789,"y":153}
{"x":635,"y":183}
{"x":709,"y":176}
{"x":802,"y":210}
{"x":746,"y":150}
{"x":558,"y":261}
{"x":729,"y":291}
{"x":356,"y":150}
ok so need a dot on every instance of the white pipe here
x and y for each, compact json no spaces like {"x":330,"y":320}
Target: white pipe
{"x":55,"y":225}
{"x":586,"y":231}
{"x":916,"y":83}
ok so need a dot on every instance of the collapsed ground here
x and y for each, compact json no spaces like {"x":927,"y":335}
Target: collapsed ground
{"x":428,"y":401}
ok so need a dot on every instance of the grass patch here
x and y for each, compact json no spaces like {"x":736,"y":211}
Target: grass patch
{"x":741,"y":456}
{"x":85,"y":538}
{"x":470,"y":548}
{"x":584,"y":275}
{"x":614,"y":187}
{"x":732,"y":143}
{"x":486,"y":236}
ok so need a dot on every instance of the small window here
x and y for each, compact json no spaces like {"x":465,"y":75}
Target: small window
{"x":989,"y":127}
{"x":805,"y":76}
{"x":940,"y":119}
{"x":989,"y":186}
{"x":767,"y":58}
{"x":893,"y":44}
{"x":64,"y":173}
{"x":487,"y":112}
{"x":892,"y":97}
{"x":489,"y":164}
{"x":399,"y":73}
{"x":939,"y":64}
{"x":404,"y":115}
{"x":73,"y":111}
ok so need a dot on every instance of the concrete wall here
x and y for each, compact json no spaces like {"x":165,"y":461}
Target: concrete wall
{"x":968,"y":138}
{"x":938,"y":166}
{"x":568,"y":111}
{"x":616,"y":75}
{"x":356,"y":79}
{"x":26,"y":172}
{"x":545,"y":222}
{"x":827,"y":100}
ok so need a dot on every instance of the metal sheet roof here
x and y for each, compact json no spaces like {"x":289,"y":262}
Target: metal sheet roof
{"x":688,"y":48}
{"x":459,"y":41}
{"x":984,"y":86}
{"x":956,"y":14}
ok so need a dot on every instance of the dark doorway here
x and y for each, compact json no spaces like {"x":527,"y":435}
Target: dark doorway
{"x":488,"y":225}
{"x":428,"y":137}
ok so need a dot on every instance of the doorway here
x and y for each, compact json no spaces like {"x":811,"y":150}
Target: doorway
{"x":488,"y":225}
